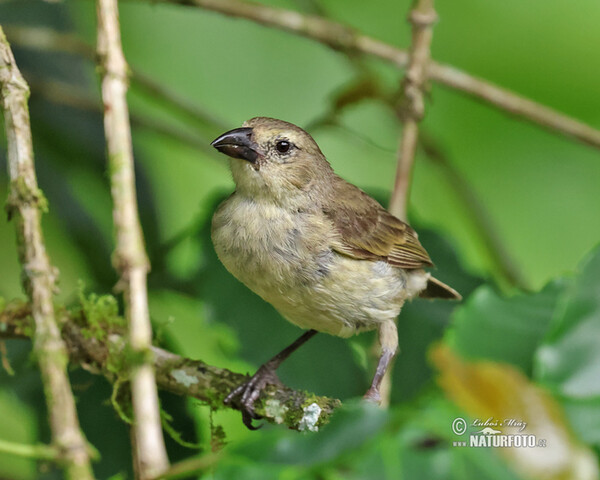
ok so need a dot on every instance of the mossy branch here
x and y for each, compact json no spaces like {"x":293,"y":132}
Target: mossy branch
{"x":102,"y":351}
{"x":26,"y":204}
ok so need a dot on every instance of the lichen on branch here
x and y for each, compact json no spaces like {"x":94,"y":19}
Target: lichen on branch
{"x":100,"y":348}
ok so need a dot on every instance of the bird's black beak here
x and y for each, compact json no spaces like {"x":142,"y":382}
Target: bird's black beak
{"x":236,"y":143}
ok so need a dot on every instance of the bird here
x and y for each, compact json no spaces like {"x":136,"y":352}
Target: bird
{"x":324,"y":253}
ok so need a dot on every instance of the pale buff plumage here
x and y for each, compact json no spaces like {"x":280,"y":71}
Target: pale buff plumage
{"x":321,"y":251}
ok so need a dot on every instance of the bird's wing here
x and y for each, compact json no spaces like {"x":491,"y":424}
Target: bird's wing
{"x":366,"y":231}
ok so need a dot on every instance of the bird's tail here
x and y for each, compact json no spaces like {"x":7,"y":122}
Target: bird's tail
{"x":437,"y":289}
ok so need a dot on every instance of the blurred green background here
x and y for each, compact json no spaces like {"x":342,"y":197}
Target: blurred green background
{"x":539,"y":191}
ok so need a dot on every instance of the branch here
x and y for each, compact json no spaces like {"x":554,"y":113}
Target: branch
{"x":514,"y":104}
{"x":358,"y":89}
{"x":39,"y":452}
{"x":190,"y":466}
{"x":333,"y":34}
{"x":342,"y":38}
{"x":99,"y":347}
{"x":346,"y":39}
{"x":411,"y":112}
{"x":26,"y":202}
{"x":129,"y":257}
{"x":412,"y":109}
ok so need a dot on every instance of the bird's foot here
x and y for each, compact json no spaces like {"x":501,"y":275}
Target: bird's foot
{"x":249,"y":392}
{"x":372,"y":396}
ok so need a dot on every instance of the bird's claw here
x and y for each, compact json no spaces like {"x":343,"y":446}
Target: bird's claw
{"x":249,"y":392}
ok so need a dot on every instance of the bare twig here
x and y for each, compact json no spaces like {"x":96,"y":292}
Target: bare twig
{"x":190,"y":467}
{"x":341,"y":37}
{"x":514,"y":104}
{"x":130,"y":256}
{"x":26,"y":202}
{"x":412,"y":109}
{"x":40,"y":452}
{"x":444,"y":74}
{"x":333,"y":34}
{"x":182,"y":376}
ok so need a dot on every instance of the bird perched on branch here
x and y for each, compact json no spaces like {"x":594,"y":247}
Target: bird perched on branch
{"x":325,"y":254}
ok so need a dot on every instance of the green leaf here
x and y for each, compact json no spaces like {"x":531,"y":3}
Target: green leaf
{"x":569,"y":359}
{"x":503,"y":329}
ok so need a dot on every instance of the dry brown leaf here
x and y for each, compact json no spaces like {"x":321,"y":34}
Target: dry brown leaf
{"x":488,"y":390}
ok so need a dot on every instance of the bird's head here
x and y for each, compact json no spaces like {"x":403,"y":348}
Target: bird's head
{"x":273,"y":159}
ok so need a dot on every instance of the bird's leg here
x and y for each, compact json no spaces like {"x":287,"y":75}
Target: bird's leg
{"x":388,"y":338}
{"x":384,"y":362}
{"x":250,"y":390}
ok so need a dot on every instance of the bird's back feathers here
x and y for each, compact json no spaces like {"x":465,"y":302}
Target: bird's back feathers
{"x":366,"y":231}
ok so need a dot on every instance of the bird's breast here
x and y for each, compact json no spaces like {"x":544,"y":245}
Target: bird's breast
{"x":286,"y":258}
{"x":268,"y":248}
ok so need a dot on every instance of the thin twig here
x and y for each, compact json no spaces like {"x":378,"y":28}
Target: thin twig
{"x":26,"y":202}
{"x":412,"y":108}
{"x":191,"y":467}
{"x":411,"y":111}
{"x":346,"y":39}
{"x":5,"y":362}
{"x":129,"y":256}
{"x":341,"y":37}
{"x":39,"y":452}
{"x":514,"y":104}
{"x":181,"y":376}
{"x":334,"y":34}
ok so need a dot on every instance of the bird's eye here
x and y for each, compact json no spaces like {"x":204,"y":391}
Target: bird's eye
{"x":283,"y":146}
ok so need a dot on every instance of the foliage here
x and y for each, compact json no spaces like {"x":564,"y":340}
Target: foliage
{"x":539,"y":191}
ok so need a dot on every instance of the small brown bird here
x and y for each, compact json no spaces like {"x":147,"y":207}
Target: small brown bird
{"x":326,"y":255}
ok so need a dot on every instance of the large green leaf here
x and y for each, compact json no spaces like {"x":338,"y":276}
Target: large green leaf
{"x":568,"y":361}
{"x":504,"y":329}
